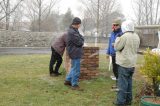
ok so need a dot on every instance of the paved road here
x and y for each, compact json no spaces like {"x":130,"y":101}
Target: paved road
{"x":30,"y":50}
{"x":26,"y":50}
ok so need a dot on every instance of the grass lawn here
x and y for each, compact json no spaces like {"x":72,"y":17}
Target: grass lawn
{"x":24,"y":81}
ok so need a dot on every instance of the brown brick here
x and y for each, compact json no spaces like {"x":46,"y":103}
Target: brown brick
{"x":89,"y":63}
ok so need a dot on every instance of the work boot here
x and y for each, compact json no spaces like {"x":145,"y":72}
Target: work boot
{"x":53,"y":75}
{"x":67,"y":83}
{"x":76,"y":87}
{"x":128,"y":103}
{"x":116,"y":104}
{"x":58,"y":73}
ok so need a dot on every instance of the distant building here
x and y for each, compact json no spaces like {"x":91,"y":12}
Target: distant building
{"x":148,"y":35}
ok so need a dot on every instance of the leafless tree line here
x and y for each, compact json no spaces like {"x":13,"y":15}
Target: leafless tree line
{"x":147,"y":11}
{"x":36,"y":12}
{"x":40,"y":15}
{"x":100,"y":13}
{"x":6,"y":10}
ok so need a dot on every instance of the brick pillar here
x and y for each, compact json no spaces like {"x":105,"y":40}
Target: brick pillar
{"x":89,"y":63}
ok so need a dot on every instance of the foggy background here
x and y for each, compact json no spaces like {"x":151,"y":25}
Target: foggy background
{"x":56,"y":15}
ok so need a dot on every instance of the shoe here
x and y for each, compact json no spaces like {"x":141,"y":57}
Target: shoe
{"x":76,"y":87}
{"x":116,"y":104}
{"x":113,"y":77}
{"x":128,"y":103}
{"x":58,"y":73}
{"x":53,"y":75}
{"x":67,"y":83}
{"x":115,"y":89}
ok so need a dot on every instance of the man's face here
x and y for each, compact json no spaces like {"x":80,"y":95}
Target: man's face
{"x":77,"y":26}
{"x":115,"y":27}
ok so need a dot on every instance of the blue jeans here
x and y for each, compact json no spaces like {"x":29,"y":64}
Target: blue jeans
{"x":124,"y":94}
{"x":74,"y":73}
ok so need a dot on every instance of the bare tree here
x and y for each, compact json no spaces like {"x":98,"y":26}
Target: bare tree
{"x":39,"y":9}
{"x":17,"y":18}
{"x":100,"y":10}
{"x":66,"y":19}
{"x":88,"y":23}
{"x":6,"y":9}
{"x":146,"y":11}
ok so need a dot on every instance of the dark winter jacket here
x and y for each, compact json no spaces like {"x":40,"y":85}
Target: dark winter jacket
{"x":75,"y":42}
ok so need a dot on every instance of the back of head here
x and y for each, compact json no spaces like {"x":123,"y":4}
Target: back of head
{"x":127,"y":25}
{"x":76,"y":21}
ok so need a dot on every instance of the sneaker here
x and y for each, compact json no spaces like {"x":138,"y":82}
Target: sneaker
{"x":67,"y":83}
{"x":113,"y":77}
{"x":76,"y":87}
{"x":115,"y":89}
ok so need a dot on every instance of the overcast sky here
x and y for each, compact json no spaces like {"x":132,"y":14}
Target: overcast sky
{"x":75,"y":6}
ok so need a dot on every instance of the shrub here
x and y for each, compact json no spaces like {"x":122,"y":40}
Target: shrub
{"x":151,"y":68}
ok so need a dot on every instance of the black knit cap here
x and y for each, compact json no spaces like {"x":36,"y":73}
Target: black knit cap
{"x":76,"y":21}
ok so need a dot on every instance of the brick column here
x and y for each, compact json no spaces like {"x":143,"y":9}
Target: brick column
{"x":89,"y":63}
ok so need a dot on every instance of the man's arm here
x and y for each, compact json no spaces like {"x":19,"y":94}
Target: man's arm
{"x":119,"y":43}
{"x":77,"y":40}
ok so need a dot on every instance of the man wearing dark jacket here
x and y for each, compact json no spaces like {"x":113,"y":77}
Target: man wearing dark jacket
{"x":75,"y":42}
{"x":57,"y":47}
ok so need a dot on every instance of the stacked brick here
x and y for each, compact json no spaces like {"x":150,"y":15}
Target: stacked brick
{"x":89,"y":63}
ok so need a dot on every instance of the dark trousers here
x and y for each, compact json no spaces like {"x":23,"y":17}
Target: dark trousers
{"x":124,"y":94}
{"x":55,"y":58}
{"x":114,"y":67}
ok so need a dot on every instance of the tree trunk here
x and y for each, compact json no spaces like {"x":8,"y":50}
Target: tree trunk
{"x":7,"y":14}
{"x":40,"y":15}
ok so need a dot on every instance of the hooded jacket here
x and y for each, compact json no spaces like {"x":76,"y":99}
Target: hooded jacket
{"x":127,"y":46}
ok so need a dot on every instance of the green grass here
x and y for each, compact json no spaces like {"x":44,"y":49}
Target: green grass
{"x":24,"y":81}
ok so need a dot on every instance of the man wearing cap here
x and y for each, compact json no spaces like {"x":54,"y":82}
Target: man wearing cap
{"x":75,"y":42}
{"x":116,"y":31}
